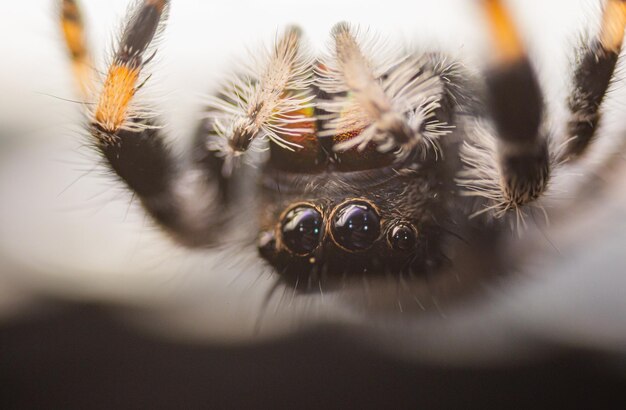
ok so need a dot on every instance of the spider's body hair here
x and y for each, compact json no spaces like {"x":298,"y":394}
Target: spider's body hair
{"x":392,"y":103}
{"x":265,"y":105}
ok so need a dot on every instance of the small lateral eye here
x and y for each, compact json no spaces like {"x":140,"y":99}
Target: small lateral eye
{"x":301,"y":229}
{"x":356,"y":226}
{"x":402,"y":237}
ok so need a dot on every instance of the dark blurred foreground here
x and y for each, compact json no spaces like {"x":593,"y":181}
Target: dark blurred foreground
{"x":81,"y":357}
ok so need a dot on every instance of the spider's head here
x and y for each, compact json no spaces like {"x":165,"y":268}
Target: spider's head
{"x":352,"y":184}
{"x":329,"y":227}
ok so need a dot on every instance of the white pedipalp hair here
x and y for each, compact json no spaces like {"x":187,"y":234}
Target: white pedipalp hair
{"x":481,"y":174}
{"x":266,"y":101}
{"x":388,"y":97}
{"x":482,"y":177}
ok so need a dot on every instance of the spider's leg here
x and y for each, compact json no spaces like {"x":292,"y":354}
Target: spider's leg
{"x":514,"y":99}
{"x":592,"y":77}
{"x":179,"y":194}
{"x":74,"y":34}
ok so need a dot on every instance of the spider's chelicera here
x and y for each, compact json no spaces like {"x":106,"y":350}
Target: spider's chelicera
{"x":377,"y":159}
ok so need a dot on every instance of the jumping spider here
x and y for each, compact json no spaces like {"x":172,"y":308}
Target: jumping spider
{"x":375,"y":161}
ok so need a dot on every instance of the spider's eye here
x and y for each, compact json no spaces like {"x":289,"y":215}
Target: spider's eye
{"x":356,"y":226}
{"x":302,"y":229}
{"x":402,"y":237}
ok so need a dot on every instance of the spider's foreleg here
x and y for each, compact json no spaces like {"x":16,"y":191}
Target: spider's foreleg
{"x":592,"y":77}
{"x":73,"y":30}
{"x":520,"y":173}
{"x":180,"y":195}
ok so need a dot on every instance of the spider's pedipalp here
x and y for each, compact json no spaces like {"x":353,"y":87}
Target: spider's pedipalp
{"x":595,"y":67}
{"x":267,"y":104}
{"x":73,"y":29}
{"x":391,"y":103}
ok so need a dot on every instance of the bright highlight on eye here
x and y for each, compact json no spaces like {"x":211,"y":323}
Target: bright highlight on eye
{"x":402,"y":237}
{"x":356,"y":226}
{"x":302,"y":229}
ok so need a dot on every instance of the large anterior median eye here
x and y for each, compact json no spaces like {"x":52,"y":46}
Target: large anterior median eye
{"x":302,"y":229}
{"x":355,"y":226}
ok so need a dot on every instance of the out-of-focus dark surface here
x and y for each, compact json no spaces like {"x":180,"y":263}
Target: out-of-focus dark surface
{"x":81,"y":357}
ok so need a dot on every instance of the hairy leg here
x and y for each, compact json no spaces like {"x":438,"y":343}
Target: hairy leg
{"x":181,"y":194}
{"x":73,"y":29}
{"x":592,"y":77}
{"x":515,"y":101}
{"x":520,"y":171}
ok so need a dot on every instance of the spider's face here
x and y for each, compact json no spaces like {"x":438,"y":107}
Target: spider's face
{"x":331,"y":226}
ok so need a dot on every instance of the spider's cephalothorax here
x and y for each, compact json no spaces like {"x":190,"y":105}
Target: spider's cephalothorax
{"x":363,"y":192}
{"x":374,"y":156}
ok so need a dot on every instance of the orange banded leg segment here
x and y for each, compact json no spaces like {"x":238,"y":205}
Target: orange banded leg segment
{"x":132,"y":146}
{"x":613,"y":23}
{"x":114,"y":102}
{"x":592,"y":78}
{"x":73,"y":29}
{"x":114,"y":109}
{"x":507,"y":42}
{"x":515,"y":101}
{"x":135,"y":150}
{"x":183,"y":197}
